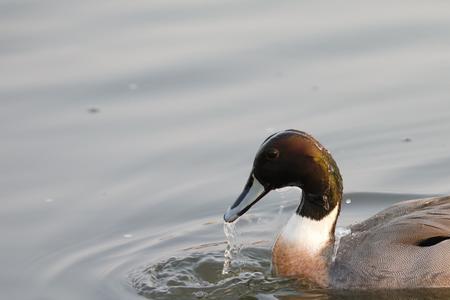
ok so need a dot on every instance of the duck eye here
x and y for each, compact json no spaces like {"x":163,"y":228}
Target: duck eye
{"x":272,"y":153}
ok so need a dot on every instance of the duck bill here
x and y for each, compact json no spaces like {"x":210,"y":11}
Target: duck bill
{"x":253,"y":191}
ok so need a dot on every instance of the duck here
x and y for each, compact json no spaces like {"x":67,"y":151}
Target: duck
{"x":404,"y":246}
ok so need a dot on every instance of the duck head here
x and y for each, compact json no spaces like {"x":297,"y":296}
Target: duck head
{"x":292,"y":158}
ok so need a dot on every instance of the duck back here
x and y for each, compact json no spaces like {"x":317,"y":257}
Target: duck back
{"x":404,"y":246}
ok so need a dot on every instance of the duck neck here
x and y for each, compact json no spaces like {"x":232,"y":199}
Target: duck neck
{"x":305,"y":244}
{"x":321,"y":198}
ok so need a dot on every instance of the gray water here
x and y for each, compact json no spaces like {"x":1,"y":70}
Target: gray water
{"x":128,"y":127}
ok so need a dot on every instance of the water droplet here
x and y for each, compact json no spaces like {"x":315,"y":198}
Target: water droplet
{"x":270,"y":130}
{"x":348,"y":201}
{"x":200,"y":294}
{"x":128,"y":236}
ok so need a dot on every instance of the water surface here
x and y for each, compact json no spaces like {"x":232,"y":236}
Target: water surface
{"x":128,"y":127}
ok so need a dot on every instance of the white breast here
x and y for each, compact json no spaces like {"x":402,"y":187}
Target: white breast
{"x":308,"y":234}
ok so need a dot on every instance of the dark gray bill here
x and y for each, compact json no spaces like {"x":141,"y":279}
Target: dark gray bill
{"x":253,"y":191}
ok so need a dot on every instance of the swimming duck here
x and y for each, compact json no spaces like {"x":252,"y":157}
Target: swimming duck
{"x":404,"y":246}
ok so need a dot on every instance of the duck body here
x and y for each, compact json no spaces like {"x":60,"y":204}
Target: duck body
{"x":404,"y":246}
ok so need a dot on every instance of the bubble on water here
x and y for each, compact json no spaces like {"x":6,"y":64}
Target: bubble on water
{"x":348,"y":201}
{"x":128,"y":236}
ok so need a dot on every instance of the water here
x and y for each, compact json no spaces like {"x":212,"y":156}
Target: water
{"x":233,"y":247}
{"x":199,"y":275}
{"x":128,"y":127}
{"x":339,"y":233}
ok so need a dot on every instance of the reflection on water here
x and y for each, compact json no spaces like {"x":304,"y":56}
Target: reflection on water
{"x":128,"y":127}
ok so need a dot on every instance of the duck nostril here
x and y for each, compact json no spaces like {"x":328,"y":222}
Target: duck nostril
{"x":272,"y":153}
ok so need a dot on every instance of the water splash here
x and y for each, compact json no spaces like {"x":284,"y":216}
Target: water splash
{"x":338,"y":234}
{"x":233,"y":247}
{"x":199,"y":276}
